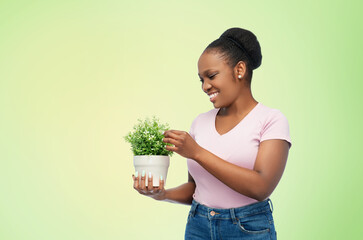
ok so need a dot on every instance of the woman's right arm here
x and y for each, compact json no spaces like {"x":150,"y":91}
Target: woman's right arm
{"x":182,"y":194}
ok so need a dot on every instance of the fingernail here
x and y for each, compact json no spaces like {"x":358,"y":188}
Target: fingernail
{"x":149,"y":175}
{"x":161,"y":178}
{"x":136,"y":174}
{"x":143,"y":173}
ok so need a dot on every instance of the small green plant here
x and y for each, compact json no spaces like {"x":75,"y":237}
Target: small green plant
{"x":147,"y":138}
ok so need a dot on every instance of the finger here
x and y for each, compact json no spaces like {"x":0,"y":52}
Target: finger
{"x":171,"y":148}
{"x":172,"y":141}
{"x":172,"y":134}
{"x":177,"y":132}
{"x":161,"y":183}
{"x":142,"y":183}
{"x":136,"y":180}
{"x":150,"y":185}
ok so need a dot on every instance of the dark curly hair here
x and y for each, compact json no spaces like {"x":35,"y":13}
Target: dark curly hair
{"x":237,"y":44}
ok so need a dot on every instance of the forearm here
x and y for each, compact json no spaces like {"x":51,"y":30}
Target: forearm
{"x":182,"y":194}
{"x":245,"y":181}
{"x":258,"y":183}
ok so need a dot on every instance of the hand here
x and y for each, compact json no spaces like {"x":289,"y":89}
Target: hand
{"x":157,"y":193}
{"x":183,"y":143}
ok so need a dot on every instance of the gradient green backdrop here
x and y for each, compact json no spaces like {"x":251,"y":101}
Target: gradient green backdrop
{"x":76,"y":75}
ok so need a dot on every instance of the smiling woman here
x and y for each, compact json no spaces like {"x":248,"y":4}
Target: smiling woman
{"x":236,"y":153}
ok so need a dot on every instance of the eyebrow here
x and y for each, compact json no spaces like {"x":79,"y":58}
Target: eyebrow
{"x":206,"y":71}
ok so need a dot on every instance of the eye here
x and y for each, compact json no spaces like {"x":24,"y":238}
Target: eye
{"x":201,"y":80}
{"x":212,"y":76}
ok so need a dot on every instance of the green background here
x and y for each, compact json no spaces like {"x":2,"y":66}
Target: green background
{"x":76,"y":75}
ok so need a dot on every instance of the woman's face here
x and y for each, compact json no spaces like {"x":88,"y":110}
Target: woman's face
{"x":218,"y":79}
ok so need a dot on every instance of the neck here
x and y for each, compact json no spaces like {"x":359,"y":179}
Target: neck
{"x":242,"y":105}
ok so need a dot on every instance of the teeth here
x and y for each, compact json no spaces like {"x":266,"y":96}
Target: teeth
{"x":213,"y":95}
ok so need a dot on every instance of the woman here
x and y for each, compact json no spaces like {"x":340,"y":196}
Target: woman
{"x":236,"y":153}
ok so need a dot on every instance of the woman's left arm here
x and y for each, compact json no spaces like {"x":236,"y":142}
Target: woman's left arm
{"x":258,"y":183}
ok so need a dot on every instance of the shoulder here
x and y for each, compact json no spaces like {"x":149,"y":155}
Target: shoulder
{"x":202,"y":117}
{"x":268,"y":114}
{"x":274,"y":124}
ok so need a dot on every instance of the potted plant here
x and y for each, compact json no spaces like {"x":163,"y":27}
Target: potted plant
{"x":150,"y":155}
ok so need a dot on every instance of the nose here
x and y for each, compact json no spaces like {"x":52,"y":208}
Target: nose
{"x":205,"y":86}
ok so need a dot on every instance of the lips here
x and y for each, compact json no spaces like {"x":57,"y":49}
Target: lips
{"x":212,"y":96}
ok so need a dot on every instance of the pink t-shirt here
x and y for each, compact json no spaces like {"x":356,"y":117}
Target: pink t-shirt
{"x":238,"y":146}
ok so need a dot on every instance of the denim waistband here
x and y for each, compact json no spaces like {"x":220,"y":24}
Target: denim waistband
{"x":231,"y":213}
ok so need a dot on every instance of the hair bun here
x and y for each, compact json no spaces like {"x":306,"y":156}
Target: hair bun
{"x":249,"y":42}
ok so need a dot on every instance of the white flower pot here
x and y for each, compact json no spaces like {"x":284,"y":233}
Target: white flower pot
{"x":156,"y":164}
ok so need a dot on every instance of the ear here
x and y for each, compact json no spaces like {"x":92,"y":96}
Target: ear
{"x":240,"y":70}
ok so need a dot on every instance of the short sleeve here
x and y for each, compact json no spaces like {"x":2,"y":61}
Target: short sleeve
{"x":276,"y":126}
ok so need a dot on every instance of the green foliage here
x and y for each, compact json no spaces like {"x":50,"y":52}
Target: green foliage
{"x":147,"y":138}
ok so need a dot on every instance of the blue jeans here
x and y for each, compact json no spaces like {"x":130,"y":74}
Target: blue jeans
{"x":253,"y":221}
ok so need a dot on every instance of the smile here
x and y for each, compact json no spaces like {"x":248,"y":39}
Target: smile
{"x":213,"y":95}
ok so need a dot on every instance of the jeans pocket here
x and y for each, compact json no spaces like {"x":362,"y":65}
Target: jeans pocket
{"x":256,"y":224}
{"x":189,"y":217}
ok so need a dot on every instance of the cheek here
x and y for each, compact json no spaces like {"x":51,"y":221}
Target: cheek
{"x":230,"y":91}
{"x":226,"y":97}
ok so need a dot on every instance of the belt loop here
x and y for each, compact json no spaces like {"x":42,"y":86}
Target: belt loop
{"x":233,"y":215}
{"x":192,"y":209}
{"x":271,"y":206}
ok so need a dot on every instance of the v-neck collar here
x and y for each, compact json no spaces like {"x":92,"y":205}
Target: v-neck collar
{"x":236,"y":126}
